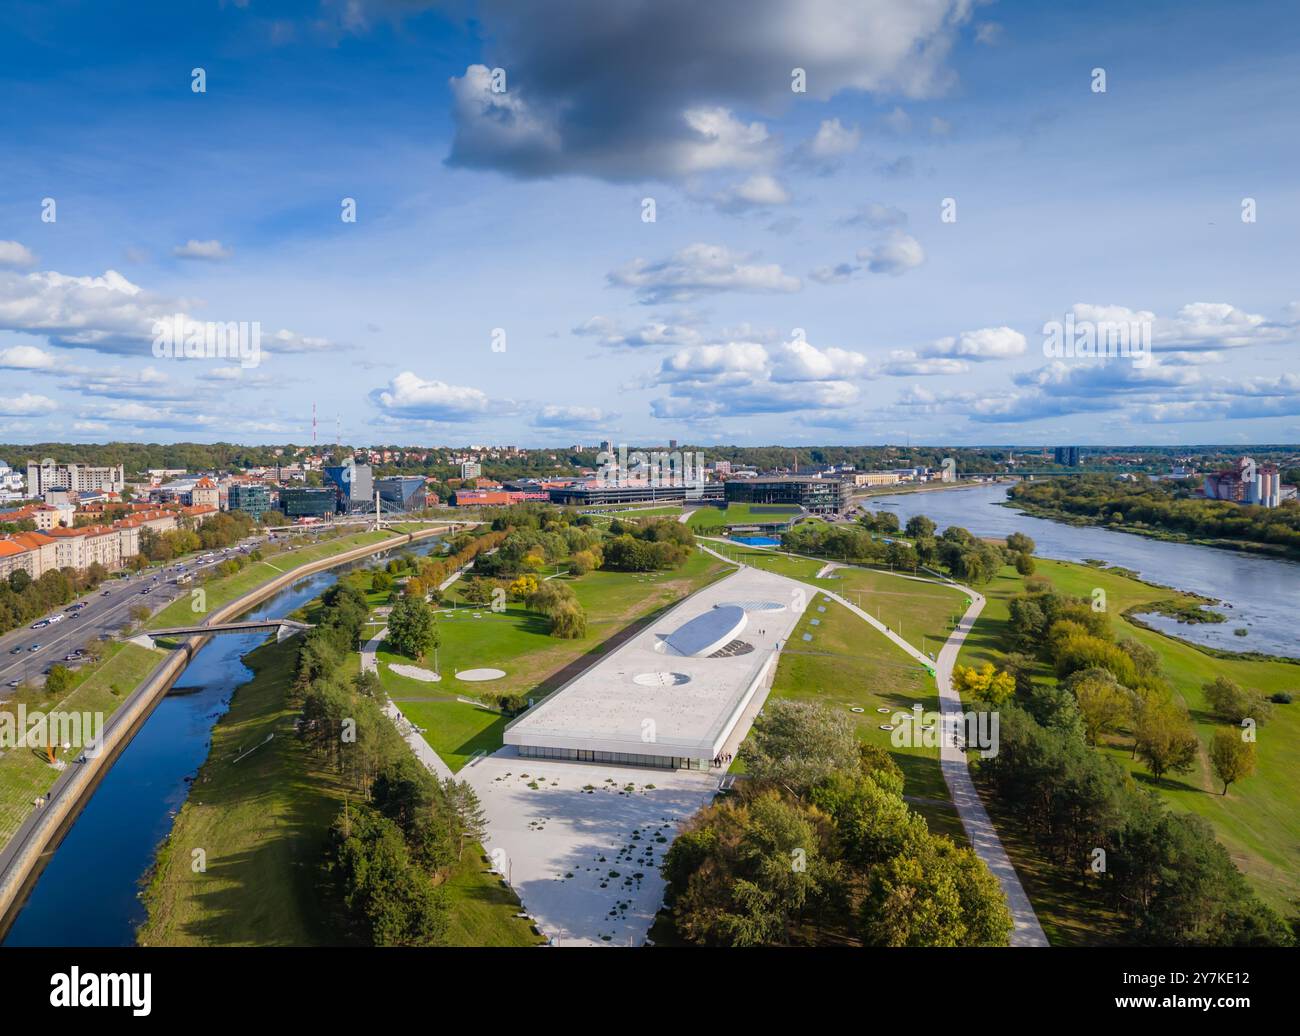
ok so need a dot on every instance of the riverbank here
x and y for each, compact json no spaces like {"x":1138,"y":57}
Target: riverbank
{"x":261,"y":817}
{"x":1271,"y":550}
{"x":29,"y":850}
{"x":1258,"y":821}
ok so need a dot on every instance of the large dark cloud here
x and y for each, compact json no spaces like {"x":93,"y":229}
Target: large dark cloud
{"x":667,"y":88}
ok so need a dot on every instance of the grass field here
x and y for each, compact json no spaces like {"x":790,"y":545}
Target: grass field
{"x":740,"y":514}
{"x":921,"y":613}
{"x":263,"y":824}
{"x":99,"y":688}
{"x":455,"y":729}
{"x":518,"y":642}
{"x":226,"y":589}
{"x":848,"y":664}
{"x":1259,"y":819}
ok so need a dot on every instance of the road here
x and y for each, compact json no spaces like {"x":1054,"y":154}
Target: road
{"x":107,"y":611}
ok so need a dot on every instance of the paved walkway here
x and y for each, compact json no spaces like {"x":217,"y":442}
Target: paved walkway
{"x":426,"y":755}
{"x":952,"y":760}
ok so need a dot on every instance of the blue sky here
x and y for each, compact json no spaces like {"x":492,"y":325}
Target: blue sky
{"x":798,"y":283}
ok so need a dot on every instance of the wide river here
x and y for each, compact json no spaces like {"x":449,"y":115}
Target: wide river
{"x":1259,"y":594}
{"x":88,"y":894}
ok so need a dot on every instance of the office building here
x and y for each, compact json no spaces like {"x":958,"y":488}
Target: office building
{"x":401,"y":492}
{"x":818,"y":495}
{"x":354,"y":484}
{"x":253,"y":498}
{"x":309,"y":502}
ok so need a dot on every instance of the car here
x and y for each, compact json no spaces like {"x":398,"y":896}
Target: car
{"x":106,"y":593}
{"x":56,"y":618}
{"x":71,"y":657}
{"x":146,"y":590}
{"x":14,"y":683}
{"x":40,"y":624}
{"x":16,"y":651}
{"x":34,"y":647}
{"x":76,"y":607}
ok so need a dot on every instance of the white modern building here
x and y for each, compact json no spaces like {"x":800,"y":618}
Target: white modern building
{"x":672,"y":696}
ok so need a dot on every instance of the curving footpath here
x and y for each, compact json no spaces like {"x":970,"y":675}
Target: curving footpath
{"x":952,"y":759}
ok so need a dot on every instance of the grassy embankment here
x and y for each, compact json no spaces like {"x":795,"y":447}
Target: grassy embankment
{"x":517,"y":641}
{"x":1258,"y":820}
{"x":101,"y":687}
{"x":263,"y":822}
{"x":97,"y":688}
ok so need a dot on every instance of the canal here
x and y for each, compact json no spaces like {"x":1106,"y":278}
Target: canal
{"x":88,"y":894}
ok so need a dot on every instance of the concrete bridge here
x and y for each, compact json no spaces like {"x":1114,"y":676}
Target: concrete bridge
{"x":284,"y":628}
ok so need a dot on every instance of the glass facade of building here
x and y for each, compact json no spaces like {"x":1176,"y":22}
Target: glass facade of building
{"x":403,"y":491}
{"x":253,"y":500}
{"x":308,"y":502}
{"x":658,"y":762}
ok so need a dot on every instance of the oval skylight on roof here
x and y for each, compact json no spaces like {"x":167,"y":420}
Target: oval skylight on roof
{"x":705,"y":633}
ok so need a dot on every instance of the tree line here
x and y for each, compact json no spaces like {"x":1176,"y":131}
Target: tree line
{"x":818,"y":847}
{"x":1168,"y":505}
{"x":1162,"y":870}
{"x":401,"y":831}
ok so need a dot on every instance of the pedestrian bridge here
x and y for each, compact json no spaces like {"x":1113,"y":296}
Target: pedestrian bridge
{"x":284,"y":628}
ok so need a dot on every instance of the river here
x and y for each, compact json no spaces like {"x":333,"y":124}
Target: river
{"x":1259,"y":594}
{"x":88,"y":894}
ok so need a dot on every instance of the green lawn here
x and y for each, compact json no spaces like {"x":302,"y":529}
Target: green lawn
{"x":455,"y":729}
{"x":740,"y":514}
{"x":263,"y":823}
{"x":518,"y":642}
{"x":921,"y":613}
{"x":848,"y":664}
{"x":99,"y":688}
{"x":1259,"y":819}
{"x":226,"y":589}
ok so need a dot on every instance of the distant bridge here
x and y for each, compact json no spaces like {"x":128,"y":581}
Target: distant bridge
{"x":284,"y":628}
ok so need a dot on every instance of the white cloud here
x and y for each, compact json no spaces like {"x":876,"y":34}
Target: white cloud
{"x":802,"y":361}
{"x":652,"y":334}
{"x":837,"y":274}
{"x":553,"y":416}
{"x":759,"y":191}
{"x":410,"y":396}
{"x":701,"y":269}
{"x":26,"y":405}
{"x":898,"y":253}
{"x":207,"y":250}
{"x":26,"y":358}
{"x":988,"y":343}
{"x":14,"y":254}
{"x":834,"y":140}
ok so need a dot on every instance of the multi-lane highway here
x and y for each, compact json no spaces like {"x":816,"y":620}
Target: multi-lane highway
{"x":104,"y":612}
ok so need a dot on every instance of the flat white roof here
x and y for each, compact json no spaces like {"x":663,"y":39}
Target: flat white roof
{"x":646,"y":698}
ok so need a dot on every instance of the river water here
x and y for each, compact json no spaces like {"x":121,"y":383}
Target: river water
{"x":1259,"y":594}
{"x":88,"y":894}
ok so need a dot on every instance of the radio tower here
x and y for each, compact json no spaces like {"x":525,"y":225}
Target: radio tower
{"x":313,"y":429}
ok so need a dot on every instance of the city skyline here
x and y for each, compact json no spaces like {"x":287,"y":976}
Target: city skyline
{"x":803,"y":280}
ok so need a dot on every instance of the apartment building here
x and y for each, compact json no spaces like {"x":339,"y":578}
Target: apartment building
{"x":48,"y":474}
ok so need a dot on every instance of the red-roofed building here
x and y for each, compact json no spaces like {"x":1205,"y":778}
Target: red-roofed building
{"x":30,"y":552}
